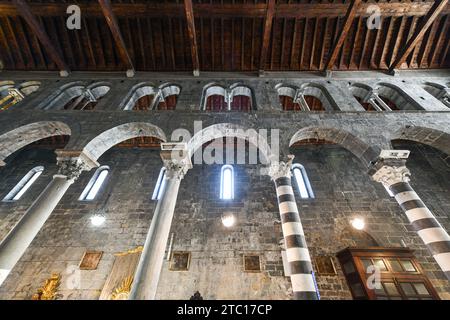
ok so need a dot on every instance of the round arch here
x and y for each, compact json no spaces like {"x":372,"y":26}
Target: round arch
{"x":221,"y":130}
{"x":359,"y":148}
{"x":18,"y":138}
{"x":109,"y":138}
{"x":432,"y":137}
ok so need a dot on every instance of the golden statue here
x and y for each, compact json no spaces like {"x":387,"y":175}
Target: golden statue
{"x":123,"y":290}
{"x":49,"y":289}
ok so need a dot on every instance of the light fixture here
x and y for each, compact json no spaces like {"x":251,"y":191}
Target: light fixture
{"x":358,"y":223}
{"x":97,"y":220}
{"x":228,"y":219}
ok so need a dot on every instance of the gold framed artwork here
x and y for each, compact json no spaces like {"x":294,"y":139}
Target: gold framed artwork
{"x":252,"y":263}
{"x":90,"y":260}
{"x":325,"y":265}
{"x":180,"y":261}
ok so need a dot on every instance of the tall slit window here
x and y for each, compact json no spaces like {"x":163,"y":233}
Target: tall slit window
{"x":94,"y":185}
{"x":303,"y":184}
{"x":227,"y":183}
{"x":24,"y":184}
{"x":160,"y":185}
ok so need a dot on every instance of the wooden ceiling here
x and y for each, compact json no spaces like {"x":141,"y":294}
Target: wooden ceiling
{"x":224,"y":35}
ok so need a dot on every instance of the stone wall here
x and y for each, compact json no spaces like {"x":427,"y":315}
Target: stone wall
{"x":340,"y":182}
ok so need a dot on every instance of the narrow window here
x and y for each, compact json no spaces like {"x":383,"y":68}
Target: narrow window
{"x":227,"y":183}
{"x":160,"y":184}
{"x":94,"y":185}
{"x":18,"y":191}
{"x":304,"y":187}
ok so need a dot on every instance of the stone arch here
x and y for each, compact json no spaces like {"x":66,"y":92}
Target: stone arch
{"x":362,"y":92}
{"x":212,"y":89}
{"x":221,"y":130}
{"x":73,"y":90}
{"x":435,"y":138}
{"x":439,"y":91}
{"x":242,"y":90}
{"x":391,"y":93}
{"x":359,"y":148}
{"x":109,"y":138}
{"x":18,"y":138}
{"x":321,"y":93}
{"x":144,"y":89}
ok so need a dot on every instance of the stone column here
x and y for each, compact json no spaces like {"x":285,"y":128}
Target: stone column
{"x":150,"y":264}
{"x":20,"y":237}
{"x":394,"y":175}
{"x":297,"y":253}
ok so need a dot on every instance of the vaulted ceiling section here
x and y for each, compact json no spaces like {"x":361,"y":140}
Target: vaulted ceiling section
{"x":227,"y":35}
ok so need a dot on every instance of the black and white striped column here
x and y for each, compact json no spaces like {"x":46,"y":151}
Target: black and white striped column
{"x":424,"y":223}
{"x":303,"y":284}
{"x":396,"y":178}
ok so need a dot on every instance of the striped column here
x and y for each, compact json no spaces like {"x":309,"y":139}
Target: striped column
{"x":303,"y":284}
{"x":421,"y":218}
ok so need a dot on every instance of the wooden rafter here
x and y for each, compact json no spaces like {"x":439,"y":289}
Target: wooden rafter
{"x":291,"y":10}
{"x":56,"y":56}
{"x":348,"y":20}
{"x":117,"y":35}
{"x":428,"y":20}
{"x":268,"y":21}
{"x":189,"y":11}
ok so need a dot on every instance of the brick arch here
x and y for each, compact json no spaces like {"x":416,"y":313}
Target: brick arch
{"x":109,"y":138}
{"x":435,"y":138}
{"x":359,"y":148}
{"x":221,"y":130}
{"x":18,"y":138}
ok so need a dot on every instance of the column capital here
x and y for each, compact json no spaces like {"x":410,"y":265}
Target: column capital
{"x":73,"y":163}
{"x":176,"y":160}
{"x":390,"y":168}
{"x":278,"y":169}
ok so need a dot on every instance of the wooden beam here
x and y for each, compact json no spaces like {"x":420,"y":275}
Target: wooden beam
{"x":348,"y":20}
{"x":249,"y":10}
{"x":189,"y":11}
{"x":117,"y":35}
{"x":268,"y":21}
{"x":38,"y":30}
{"x":428,"y":20}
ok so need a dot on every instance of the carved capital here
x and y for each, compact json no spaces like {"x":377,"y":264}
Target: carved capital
{"x":73,"y":163}
{"x":390,"y":167}
{"x":176,"y":169}
{"x":176,"y":159}
{"x":280,"y":169}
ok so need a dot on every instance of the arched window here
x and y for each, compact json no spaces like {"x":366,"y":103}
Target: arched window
{"x":227,"y":183}
{"x":301,"y":178}
{"x":94,"y":185}
{"x":145,"y":97}
{"x":76,"y":96}
{"x":11,"y":94}
{"x":18,"y":191}
{"x":160,"y":184}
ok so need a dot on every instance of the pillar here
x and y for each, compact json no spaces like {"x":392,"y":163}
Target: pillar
{"x":297,"y":253}
{"x":394,"y":175}
{"x":151,"y":261}
{"x":14,"y":245}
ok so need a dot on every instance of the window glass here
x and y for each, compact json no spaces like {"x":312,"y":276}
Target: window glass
{"x":407,"y":265}
{"x":395,"y":265}
{"x":94,"y":185}
{"x":227,"y":183}
{"x":407,"y":288}
{"x":366,"y":263}
{"x":391,"y":289}
{"x":420,"y":288}
{"x":24,"y":184}
{"x":379,"y":263}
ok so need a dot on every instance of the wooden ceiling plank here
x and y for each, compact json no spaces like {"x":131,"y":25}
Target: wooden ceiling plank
{"x":172,"y":44}
{"x":442,"y":33}
{"x":25,"y":12}
{"x":432,"y":14}
{"x":22,"y":34}
{"x":243,"y":44}
{"x":353,"y":43}
{"x":293,"y":43}
{"x":268,"y":22}
{"x":386,"y":42}
{"x":8,"y":49}
{"x":113,"y":24}
{"x":302,"y":51}
{"x":313,"y":46}
{"x":372,"y":63}
{"x":348,"y":20}
{"x":398,"y":40}
{"x":151,"y":42}
{"x":89,"y":43}
{"x":252,"y":64}
{"x":290,"y":10}
{"x":363,"y":48}
{"x":322,"y":49}
{"x":189,"y":12}
{"x":15,"y":44}
{"x":141,"y":44}
{"x":213,"y":53}
{"x":283,"y":43}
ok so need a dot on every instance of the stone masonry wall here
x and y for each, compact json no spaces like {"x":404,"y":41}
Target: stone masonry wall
{"x":342,"y":189}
